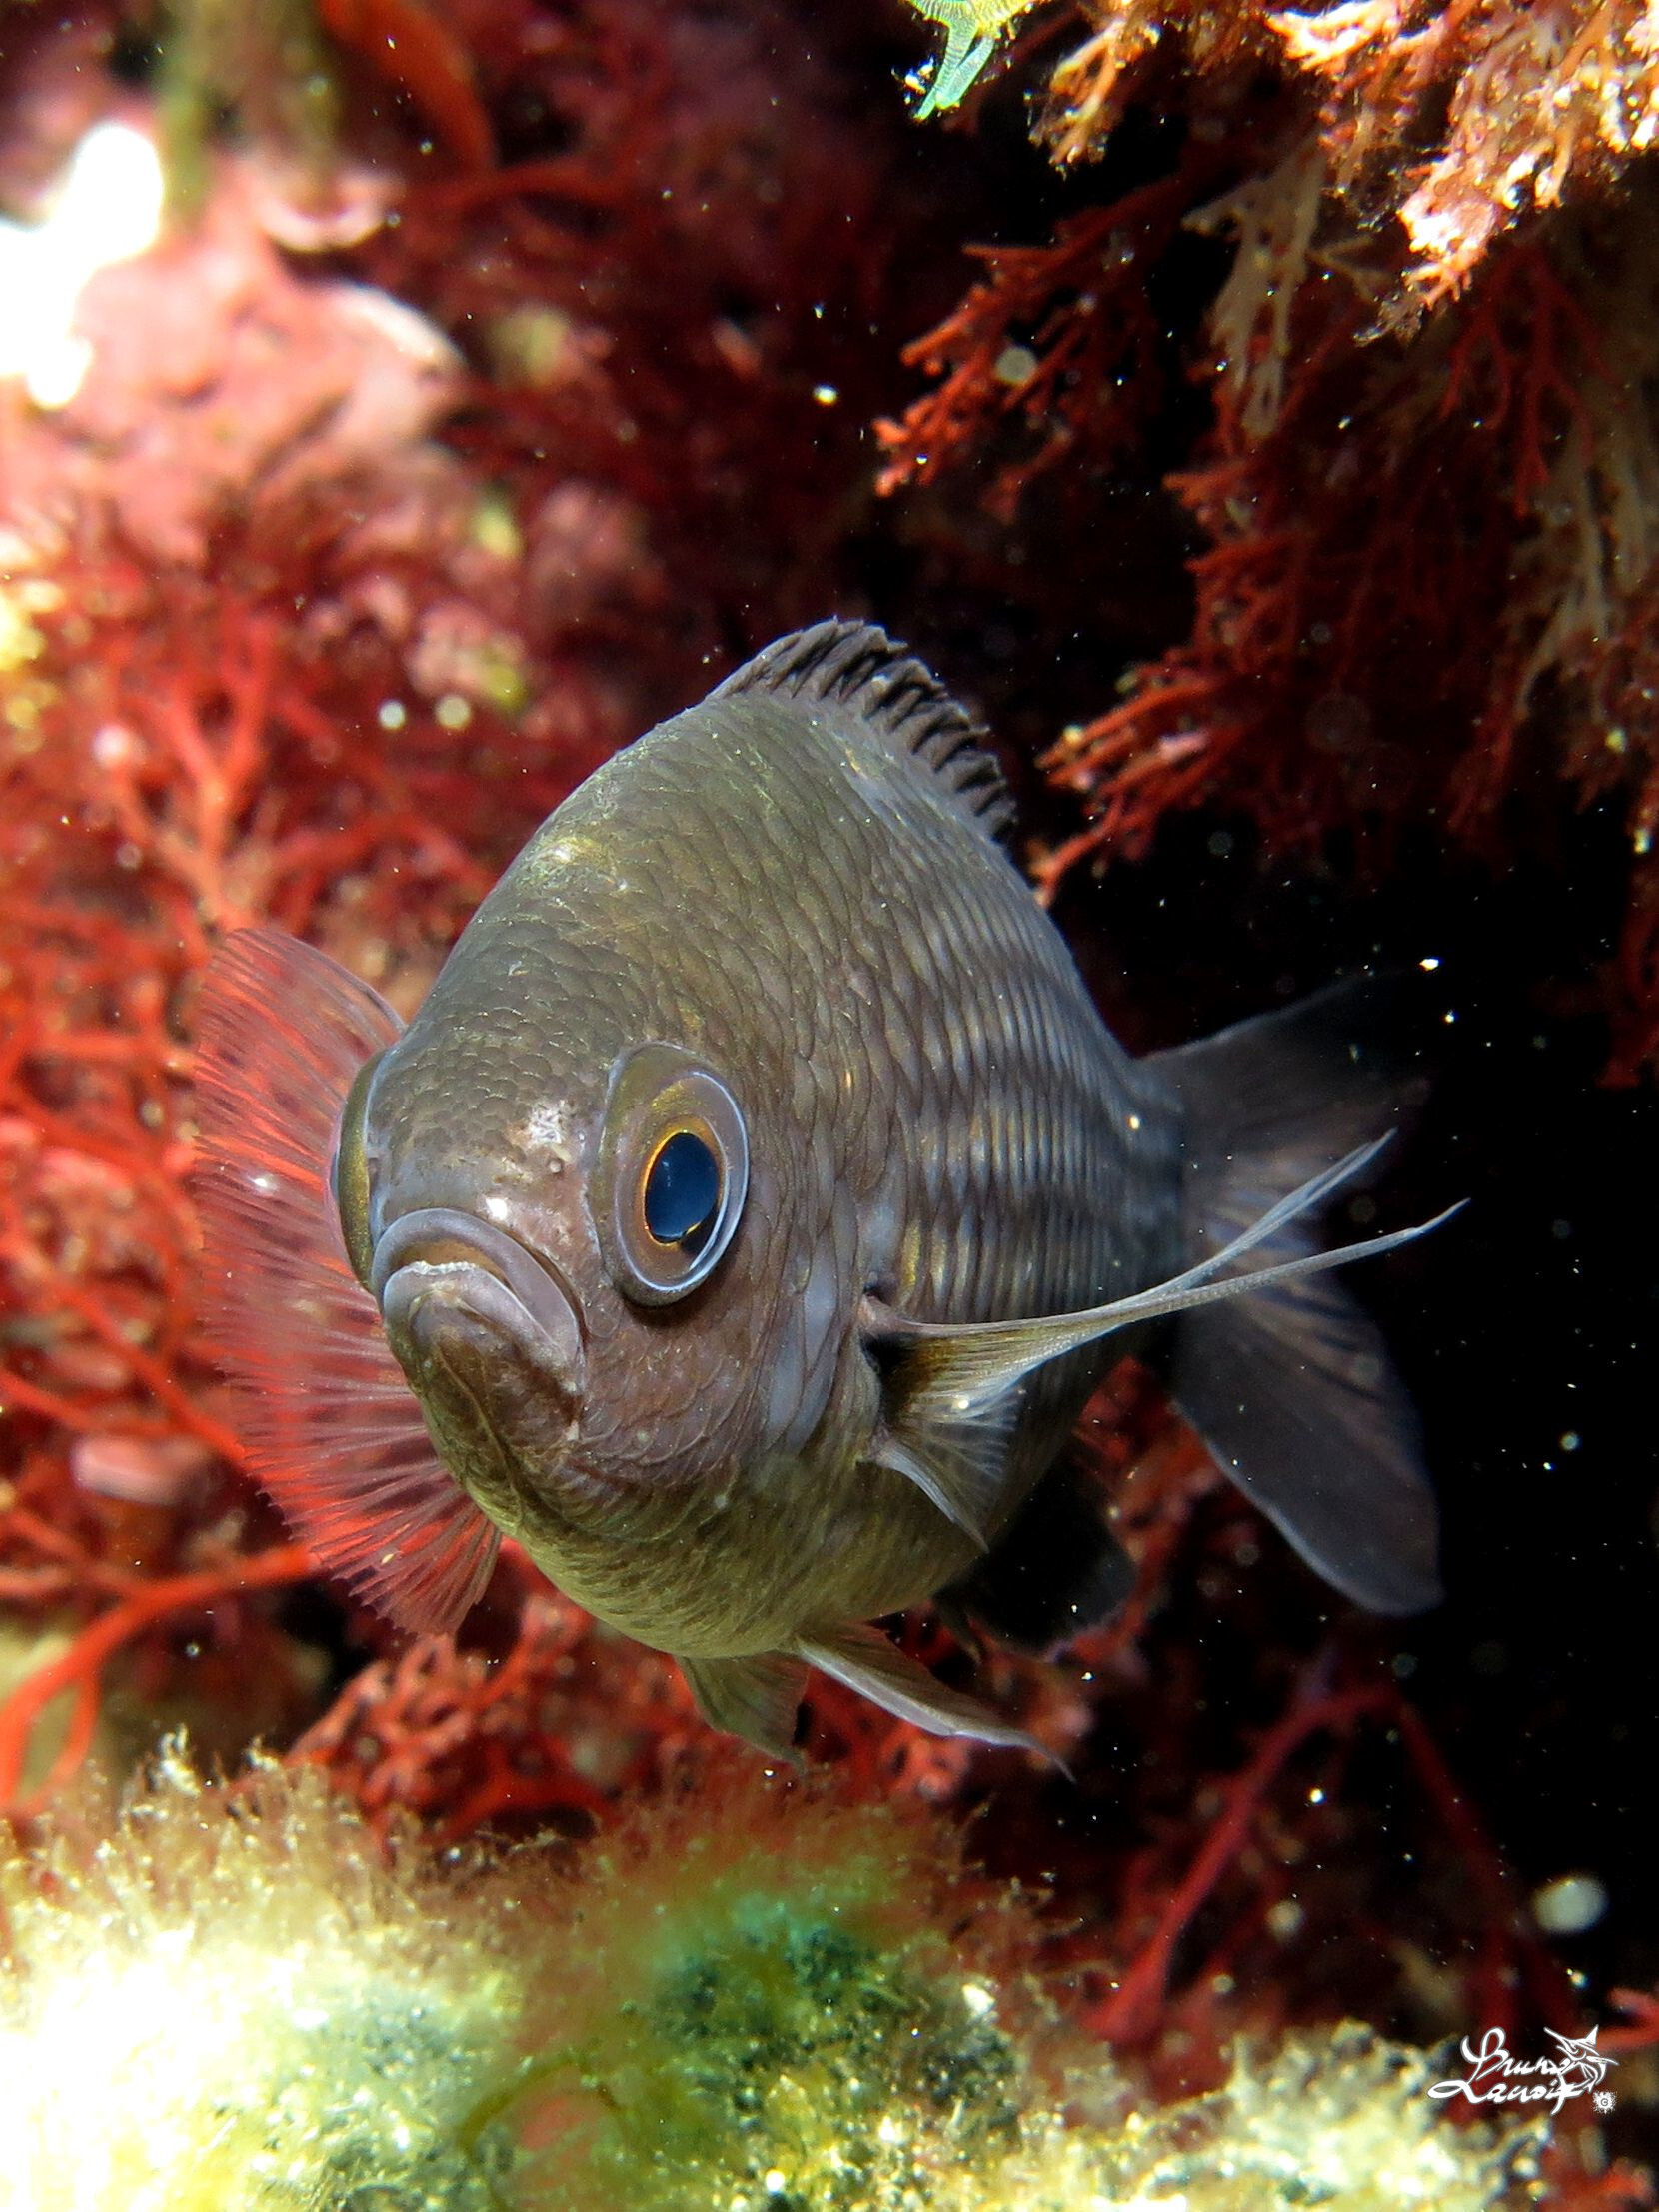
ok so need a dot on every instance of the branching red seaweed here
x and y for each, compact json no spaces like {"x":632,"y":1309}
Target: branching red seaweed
{"x":1424,"y":499}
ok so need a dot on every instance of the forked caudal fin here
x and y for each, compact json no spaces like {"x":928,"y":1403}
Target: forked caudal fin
{"x":332,"y":1430}
{"x":1292,"y":1388}
{"x":1289,"y":1384}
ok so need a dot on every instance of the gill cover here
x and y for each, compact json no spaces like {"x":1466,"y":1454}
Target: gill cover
{"x":332,"y":1430}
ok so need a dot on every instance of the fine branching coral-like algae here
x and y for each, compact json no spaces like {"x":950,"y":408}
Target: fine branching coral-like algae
{"x":272,"y":647}
{"x":800,"y":2005}
{"x":1434,"y":443}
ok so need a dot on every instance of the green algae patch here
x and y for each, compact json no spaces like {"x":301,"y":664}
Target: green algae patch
{"x":754,"y":2000}
{"x":786,"y":2021}
{"x":232,"y":2002}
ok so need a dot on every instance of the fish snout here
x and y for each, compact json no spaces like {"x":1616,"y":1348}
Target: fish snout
{"x":468,"y":1308}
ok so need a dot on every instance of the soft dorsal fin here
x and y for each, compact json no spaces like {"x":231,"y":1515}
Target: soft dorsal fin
{"x":854,"y":664}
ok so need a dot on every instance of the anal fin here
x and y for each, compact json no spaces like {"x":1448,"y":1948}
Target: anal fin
{"x":755,"y":1697}
{"x":863,"y":1659}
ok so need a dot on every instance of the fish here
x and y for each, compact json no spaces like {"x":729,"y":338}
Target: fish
{"x":744,"y":1220}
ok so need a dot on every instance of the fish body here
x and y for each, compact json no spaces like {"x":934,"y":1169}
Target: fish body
{"x":751,"y":1207}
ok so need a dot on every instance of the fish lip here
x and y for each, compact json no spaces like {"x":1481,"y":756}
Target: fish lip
{"x":442,"y":1240}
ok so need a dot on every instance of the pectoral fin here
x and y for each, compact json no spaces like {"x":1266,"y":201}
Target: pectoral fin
{"x":756,"y":1697}
{"x":953,"y":1378}
{"x":864,"y":1660}
{"x":959,"y":1464}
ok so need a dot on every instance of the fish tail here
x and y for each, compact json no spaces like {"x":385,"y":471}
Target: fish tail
{"x":1292,"y":1387}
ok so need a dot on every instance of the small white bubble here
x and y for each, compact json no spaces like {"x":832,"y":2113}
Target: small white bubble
{"x":1569,"y":1905}
{"x":113,"y":743}
{"x":1429,"y":965}
{"x":825,"y":394}
{"x":453,"y":711}
{"x":393,"y":714}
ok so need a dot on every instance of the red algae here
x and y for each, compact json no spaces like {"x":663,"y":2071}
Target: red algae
{"x":312,"y":611}
{"x":341,"y":567}
{"x":1430,"y":442}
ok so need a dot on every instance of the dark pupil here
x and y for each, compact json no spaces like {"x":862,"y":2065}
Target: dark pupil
{"x":681,"y":1191}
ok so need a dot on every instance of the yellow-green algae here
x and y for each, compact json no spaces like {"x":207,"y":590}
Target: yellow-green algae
{"x":972,"y":31}
{"x":232,"y":2003}
{"x":762,"y":2002}
{"x":263,"y":61}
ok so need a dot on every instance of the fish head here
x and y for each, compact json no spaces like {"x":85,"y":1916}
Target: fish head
{"x":541,"y":1212}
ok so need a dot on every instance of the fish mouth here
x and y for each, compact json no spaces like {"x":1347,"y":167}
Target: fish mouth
{"x":482,"y":1326}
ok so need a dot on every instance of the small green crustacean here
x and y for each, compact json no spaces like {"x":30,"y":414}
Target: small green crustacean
{"x":972,"y":30}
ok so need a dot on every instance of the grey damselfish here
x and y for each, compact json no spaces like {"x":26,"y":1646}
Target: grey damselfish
{"x":746,"y":1217}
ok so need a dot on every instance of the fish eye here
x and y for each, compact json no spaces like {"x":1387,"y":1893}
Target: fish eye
{"x":681,"y":1191}
{"x":350,"y":1173}
{"x":670,"y":1174}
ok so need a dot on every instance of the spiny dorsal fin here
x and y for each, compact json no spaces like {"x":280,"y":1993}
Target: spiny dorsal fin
{"x":857,"y":665}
